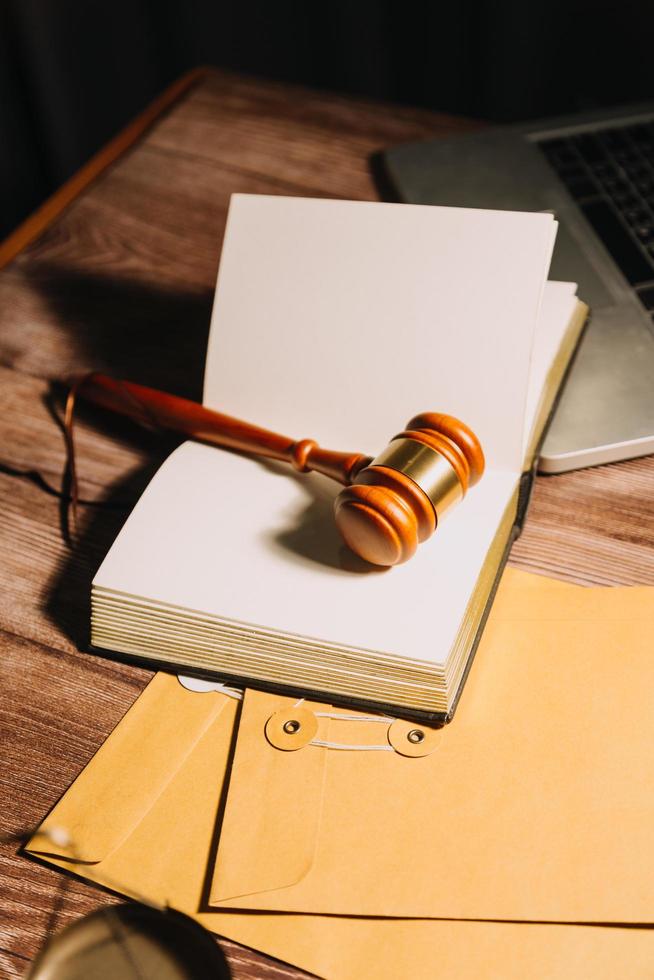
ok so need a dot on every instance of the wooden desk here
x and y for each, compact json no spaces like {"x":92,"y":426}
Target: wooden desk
{"x":122,"y":281}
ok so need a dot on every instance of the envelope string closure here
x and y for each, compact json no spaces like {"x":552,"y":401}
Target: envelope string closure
{"x":295,"y":728}
{"x":352,"y":748}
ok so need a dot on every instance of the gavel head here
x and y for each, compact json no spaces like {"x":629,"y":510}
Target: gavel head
{"x":396,"y":501}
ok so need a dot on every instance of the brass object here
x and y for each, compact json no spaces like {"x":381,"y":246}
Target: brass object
{"x":426,"y":467}
{"x":291,"y":728}
{"x":407,"y":739}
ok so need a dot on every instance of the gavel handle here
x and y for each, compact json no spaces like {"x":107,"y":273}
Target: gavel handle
{"x":165,"y":411}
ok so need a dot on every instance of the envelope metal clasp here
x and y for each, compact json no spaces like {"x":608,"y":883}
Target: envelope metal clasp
{"x":413,"y":740}
{"x":291,"y":728}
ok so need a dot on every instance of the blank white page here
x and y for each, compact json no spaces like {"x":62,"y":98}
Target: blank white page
{"x":340,"y":320}
{"x":255,"y":543}
{"x":557,"y":309}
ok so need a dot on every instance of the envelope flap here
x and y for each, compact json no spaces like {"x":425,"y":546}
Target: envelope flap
{"x":128,"y":772}
{"x":274,"y":801}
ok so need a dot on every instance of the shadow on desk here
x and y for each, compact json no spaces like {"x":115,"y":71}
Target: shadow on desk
{"x":130,"y":328}
{"x":67,"y":595}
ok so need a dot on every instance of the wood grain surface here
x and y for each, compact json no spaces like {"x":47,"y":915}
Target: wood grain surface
{"x":122,"y":282}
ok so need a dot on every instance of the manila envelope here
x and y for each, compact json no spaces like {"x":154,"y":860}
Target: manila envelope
{"x":536,"y":803}
{"x":144,"y":816}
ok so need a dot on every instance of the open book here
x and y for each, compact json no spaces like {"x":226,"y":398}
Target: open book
{"x":339,"y":321}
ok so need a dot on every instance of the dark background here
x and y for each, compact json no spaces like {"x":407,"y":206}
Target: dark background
{"x":72,"y":72}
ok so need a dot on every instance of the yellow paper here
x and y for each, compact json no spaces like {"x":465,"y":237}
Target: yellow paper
{"x":536,"y":804}
{"x":145,"y":817}
{"x":165,"y":854}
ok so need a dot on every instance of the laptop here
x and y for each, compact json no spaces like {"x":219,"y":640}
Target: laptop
{"x":596,"y":174}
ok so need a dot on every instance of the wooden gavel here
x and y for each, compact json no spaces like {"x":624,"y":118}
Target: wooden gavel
{"x":390,"y":503}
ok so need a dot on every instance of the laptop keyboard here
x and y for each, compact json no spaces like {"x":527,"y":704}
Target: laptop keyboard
{"x":610,"y":174}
